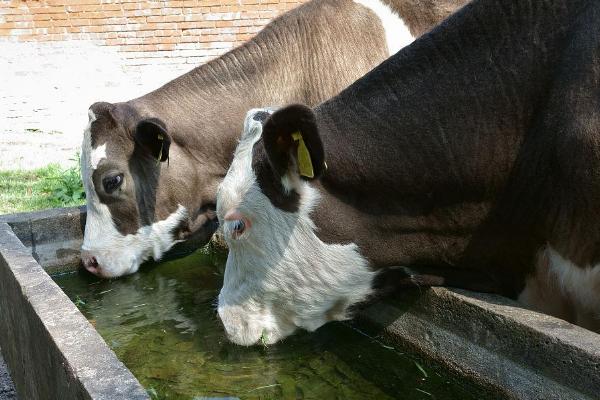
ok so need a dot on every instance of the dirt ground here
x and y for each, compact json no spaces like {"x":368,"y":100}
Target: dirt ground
{"x":31,"y":150}
{"x":43,"y":106}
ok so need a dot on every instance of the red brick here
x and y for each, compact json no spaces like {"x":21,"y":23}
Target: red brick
{"x":115,"y":21}
{"x":188,"y":39}
{"x":205,"y":3}
{"x":132,"y":6}
{"x":174,"y":18}
{"x":111,"y":7}
{"x":42,"y":17}
{"x":97,"y":28}
{"x":62,"y":22}
{"x":166,"y":46}
{"x":57,"y":30}
{"x":131,"y":48}
{"x":48,"y":10}
{"x":83,"y":7}
{"x":21,"y":31}
{"x":171,"y":11}
{"x":138,"y":13}
{"x":43,"y":24}
{"x":168,"y":32}
{"x":79,"y":22}
{"x":148,"y":47}
{"x":115,"y":42}
{"x":134,"y":40}
{"x":154,"y":5}
{"x":16,"y":18}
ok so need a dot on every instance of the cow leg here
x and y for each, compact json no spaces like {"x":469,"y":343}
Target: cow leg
{"x":392,"y":278}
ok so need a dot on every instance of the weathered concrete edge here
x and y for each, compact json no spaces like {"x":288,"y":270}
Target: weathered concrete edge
{"x":493,"y":341}
{"x":51,"y":350}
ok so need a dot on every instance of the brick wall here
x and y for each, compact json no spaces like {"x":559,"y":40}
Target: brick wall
{"x":57,"y":57}
{"x":178,"y":32}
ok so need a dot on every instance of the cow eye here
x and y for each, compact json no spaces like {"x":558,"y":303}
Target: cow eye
{"x":112,"y":183}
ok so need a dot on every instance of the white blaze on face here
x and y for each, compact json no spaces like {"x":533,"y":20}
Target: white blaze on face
{"x":397,"y":34}
{"x":117,"y":254}
{"x":279,"y":275}
{"x":98,"y":154}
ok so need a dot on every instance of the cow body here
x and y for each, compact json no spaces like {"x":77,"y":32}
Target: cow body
{"x":138,"y":206}
{"x":473,"y":152}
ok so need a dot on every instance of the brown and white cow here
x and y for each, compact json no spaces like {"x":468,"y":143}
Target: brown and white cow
{"x":473,"y":153}
{"x":151,"y":166}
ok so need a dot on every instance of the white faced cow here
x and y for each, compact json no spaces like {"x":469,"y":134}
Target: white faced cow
{"x":139,"y":205}
{"x":472,"y":155}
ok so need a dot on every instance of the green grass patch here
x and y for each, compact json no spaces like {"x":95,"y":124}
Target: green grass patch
{"x":47,"y":187}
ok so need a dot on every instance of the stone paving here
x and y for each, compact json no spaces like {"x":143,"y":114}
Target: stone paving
{"x":7,"y":389}
{"x":47,"y":89}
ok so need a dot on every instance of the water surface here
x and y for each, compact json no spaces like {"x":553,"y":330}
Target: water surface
{"x":162,"y":323}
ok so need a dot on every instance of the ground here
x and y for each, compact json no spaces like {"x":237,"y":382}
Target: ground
{"x":7,"y":390}
{"x":43,"y":106}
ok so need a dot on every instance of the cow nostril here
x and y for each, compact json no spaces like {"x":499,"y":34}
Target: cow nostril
{"x":91,"y":264}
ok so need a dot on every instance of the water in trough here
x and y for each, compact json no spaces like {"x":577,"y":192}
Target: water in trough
{"x":162,"y":323}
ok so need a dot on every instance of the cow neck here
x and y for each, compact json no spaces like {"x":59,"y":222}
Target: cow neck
{"x":421,"y":15}
{"x":420,"y":149}
{"x":203,"y":109}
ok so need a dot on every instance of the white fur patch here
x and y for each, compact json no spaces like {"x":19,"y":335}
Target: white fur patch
{"x":118,"y":254}
{"x":98,"y":154}
{"x":564,"y":290}
{"x":581,"y":283}
{"x":279,"y":275}
{"x":397,"y":34}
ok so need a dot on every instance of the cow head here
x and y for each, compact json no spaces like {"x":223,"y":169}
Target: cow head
{"x":279,"y":275}
{"x":124,"y":170}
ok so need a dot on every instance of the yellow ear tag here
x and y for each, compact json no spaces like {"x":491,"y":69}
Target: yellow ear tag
{"x":304,"y":163}
{"x":161,"y":138}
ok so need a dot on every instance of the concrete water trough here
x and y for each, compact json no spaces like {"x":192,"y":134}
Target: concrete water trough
{"x":53,"y":352}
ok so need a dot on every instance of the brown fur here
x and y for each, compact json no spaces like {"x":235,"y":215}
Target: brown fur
{"x":421,"y":15}
{"x":473,"y":148}
{"x":307,"y":55}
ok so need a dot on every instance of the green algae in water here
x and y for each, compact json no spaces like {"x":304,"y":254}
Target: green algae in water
{"x":162,"y":323}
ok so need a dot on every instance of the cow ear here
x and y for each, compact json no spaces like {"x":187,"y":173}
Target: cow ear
{"x":292,"y":142}
{"x":151,"y":134}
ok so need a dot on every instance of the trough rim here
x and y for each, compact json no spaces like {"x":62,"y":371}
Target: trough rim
{"x":81,"y":357}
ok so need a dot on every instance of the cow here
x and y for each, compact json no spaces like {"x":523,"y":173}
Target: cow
{"x":151,"y":166}
{"x":472,"y":156}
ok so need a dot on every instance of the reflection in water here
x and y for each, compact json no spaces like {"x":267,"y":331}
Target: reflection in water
{"x":162,"y":324}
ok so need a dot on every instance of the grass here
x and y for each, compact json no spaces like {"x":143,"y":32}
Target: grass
{"x":47,"y":187}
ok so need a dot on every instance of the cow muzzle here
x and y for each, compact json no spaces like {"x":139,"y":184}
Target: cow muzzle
{"x":106,"y":265}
